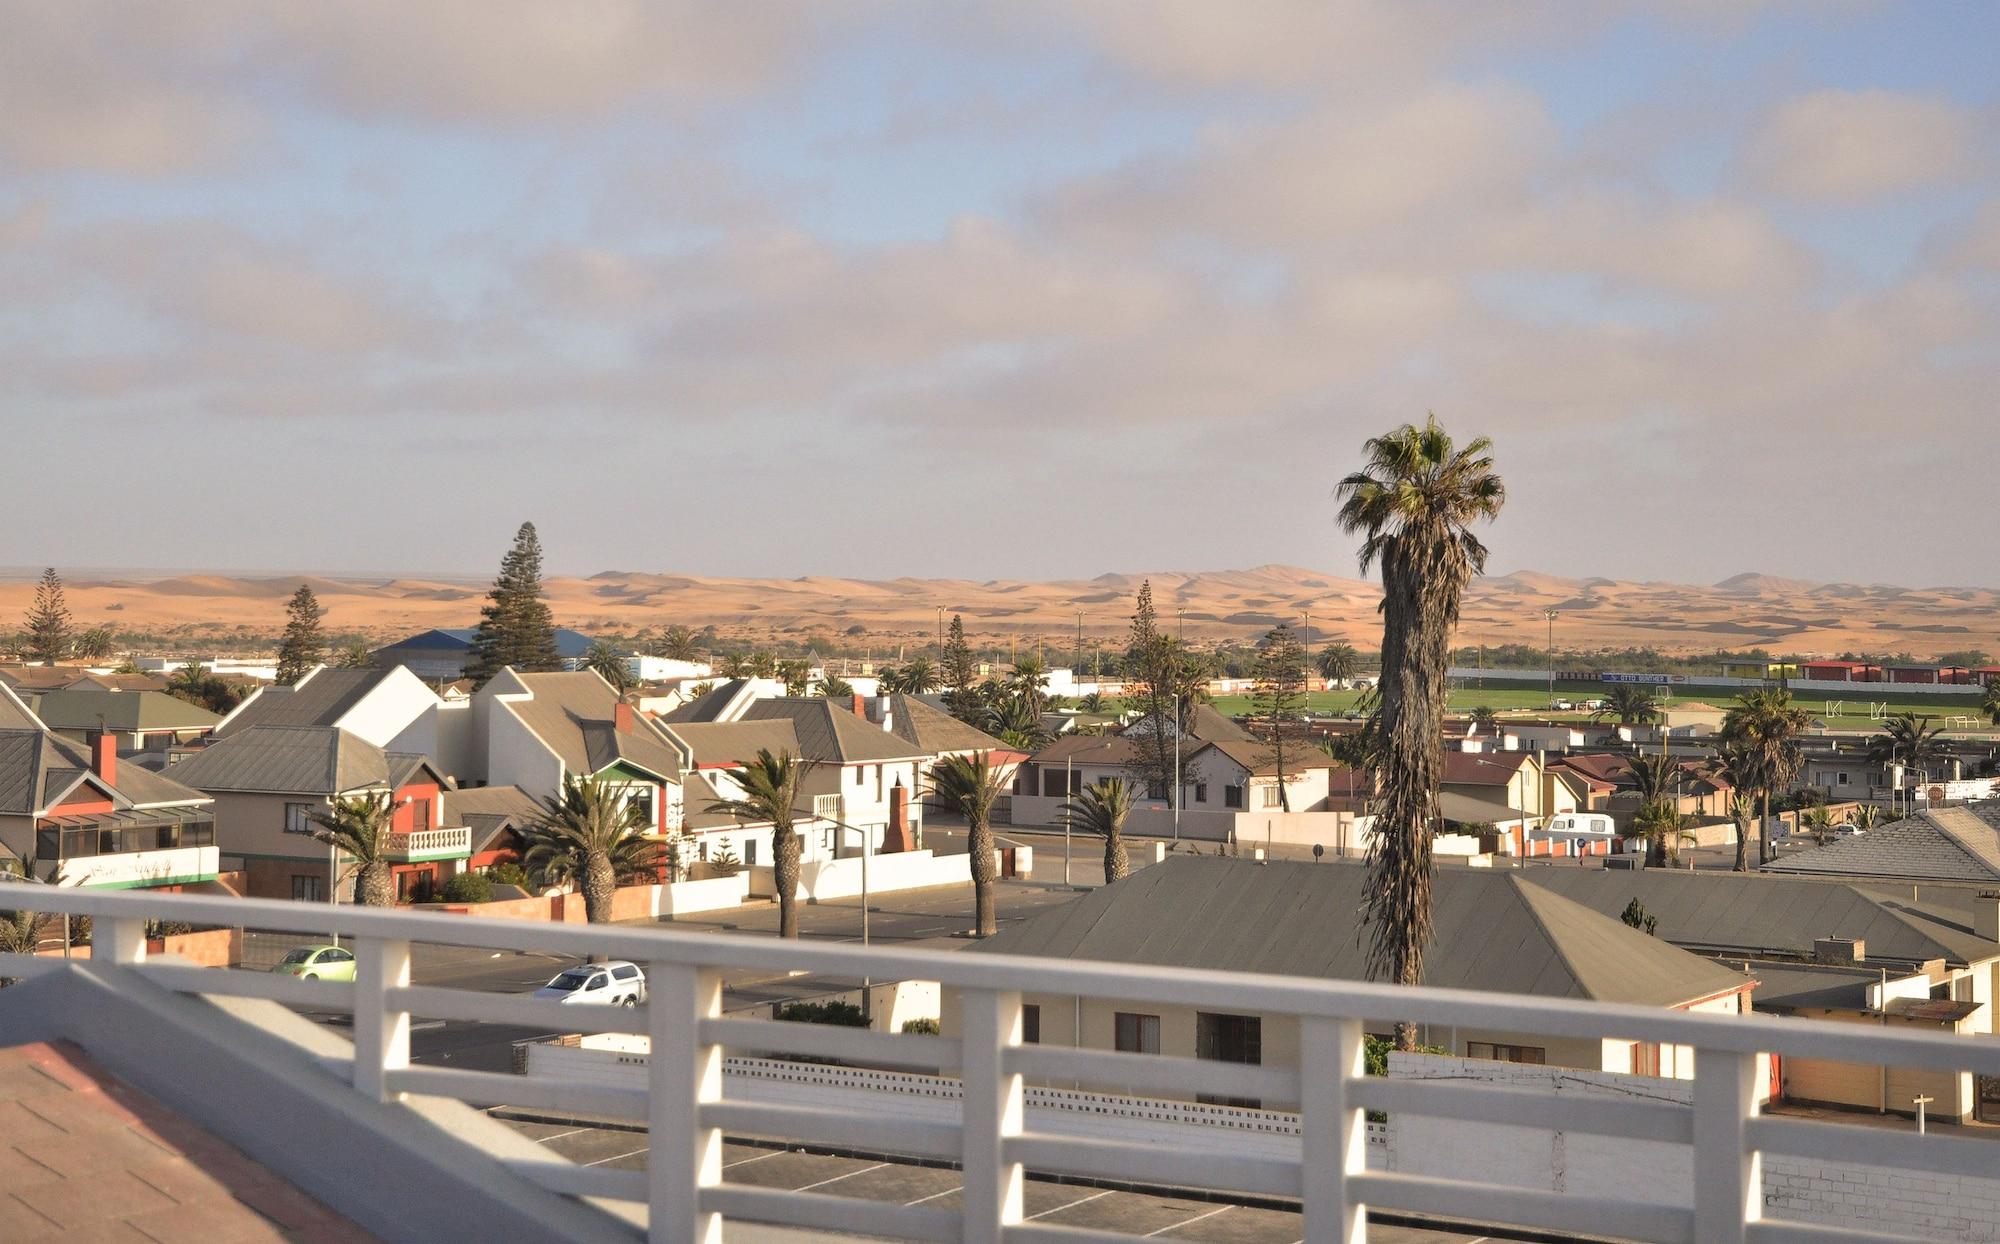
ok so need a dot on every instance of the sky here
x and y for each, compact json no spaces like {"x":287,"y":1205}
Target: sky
{"x":1038,"y":289}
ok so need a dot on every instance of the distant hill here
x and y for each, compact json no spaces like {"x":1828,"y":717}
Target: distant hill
{"x":1748,"y":610}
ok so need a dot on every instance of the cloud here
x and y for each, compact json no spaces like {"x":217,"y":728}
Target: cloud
{"x":1854,"y":146}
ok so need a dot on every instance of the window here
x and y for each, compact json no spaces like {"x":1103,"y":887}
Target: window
{"x":880,"y":793}
{"x":1031,"y":1024}
{"x":860,"y":775}
{"x":1232,"y":796}
{"x":750,"y":853}
{"x":625,"y":972}
{"x":1267,"y":796}
{"x":1052,"y":782}
{"x":1156,"y":790}
{"x":1229,"y":1039}
{"x":598,"y":981}
{"x":307,"y":888}
{"x":334,"y":954}
{"x":298,"y":818}
{"x":1201,"y":792}
{"x":1136,"y":1034}
{"x":1524,"y":1053}
{"x":1841,"y":779}
{"x":643,"y":800}
{"x":1645,"y":1058}
{"x":1952,"y":989}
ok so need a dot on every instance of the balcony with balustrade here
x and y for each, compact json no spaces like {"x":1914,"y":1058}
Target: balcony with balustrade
{"x":423,"y":846}
{"x":261,"y":1088}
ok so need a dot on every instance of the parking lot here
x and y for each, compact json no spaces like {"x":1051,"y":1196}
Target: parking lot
{"x":1148,"y":1214}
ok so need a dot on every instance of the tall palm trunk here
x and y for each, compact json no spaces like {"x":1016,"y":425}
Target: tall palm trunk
{"x":1742,"y":843}
{"x":600,"y":883}
{"x":372,"y":886}
{"x":1116,"y":865}
{"x":1764,"y":829}
{"x":1420,"y":603}
{"x":785,"y":848}
{"x":979,"y":845}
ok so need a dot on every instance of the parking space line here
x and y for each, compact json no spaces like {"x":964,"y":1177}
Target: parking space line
{"x":1175,"y":1226}
{"x":747,"y":1161}
{"x":616,"y":1156}
{"x":1067,"y":1205}
{"x":935,"y":1195}
{"x":837,"y":1178}
{"x":543,"y":1140}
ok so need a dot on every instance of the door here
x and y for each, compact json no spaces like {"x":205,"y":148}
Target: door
{"x":1229,"y":1039}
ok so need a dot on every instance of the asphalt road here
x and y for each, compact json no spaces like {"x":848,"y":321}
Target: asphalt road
{"x":1084,"y":1206}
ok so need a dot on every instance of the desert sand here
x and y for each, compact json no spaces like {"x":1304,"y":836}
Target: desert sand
{"x":1742,"y":612}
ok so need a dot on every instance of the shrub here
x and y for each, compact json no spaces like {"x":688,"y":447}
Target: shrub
{"x":921,"y":1027}
{"x":724,"y":862}
{"x":509,"y":873}
{"x":843,"y":1014}
{"x":468,"y":888}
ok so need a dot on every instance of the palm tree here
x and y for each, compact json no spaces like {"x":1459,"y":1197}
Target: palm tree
{"x":603,"y":660}
{"x":736,"y":665}
{"x":1414,"y":503}
{"x":1092,"y":703}
{"x":1018,"y":722}
{"x":359,"y":826}
{"x":919,"y":676}
{"x":1737,"y":765}
{"x":1029,"y":679}
{"x":972,"y":785}
{"x":1909,"y":740}
{"x":593,"y":835}
{"x":1659,"y":814}
{"x":834,"y":687}
{"x":1484,"y":718}
{"x":1865,"y":816}
{"x":678,"y":643}
{"x":21,"y":931}
{"x":772,"y":786}
{"x":1818,"y":822}
{"x":1630,"y":704}
{"x":1989,"y":703}
{"x":1768,"y":725}
{"x":1337,"y":662}
{"x":796,"y":675}
{"x":1101,"y":809}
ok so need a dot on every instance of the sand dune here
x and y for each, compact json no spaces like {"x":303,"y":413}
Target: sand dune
{"x":1743,"y":611}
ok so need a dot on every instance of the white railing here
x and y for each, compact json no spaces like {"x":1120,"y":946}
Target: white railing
{"x":688,"y":1114}
{"x":449,"y":840}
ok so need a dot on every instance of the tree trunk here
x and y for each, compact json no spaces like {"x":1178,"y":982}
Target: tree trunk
{"x":1764,"y":829}
{"x":1116,"y":865}
{"x":1742,"y":842}
{"x":785,"y":848}
{"x":1421,"y":582}
{"x":979,"y":847}
{"x":372,"y":886}
{"x":600,"y":883}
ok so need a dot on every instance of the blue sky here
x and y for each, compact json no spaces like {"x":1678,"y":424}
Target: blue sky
{"x":1034,"y":290}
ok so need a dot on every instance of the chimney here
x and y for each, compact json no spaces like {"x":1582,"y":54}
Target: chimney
{"x":621,"y":717}
{"x":104,"y":756}
{"x":1846,"y":950}
{"x":1986,"y":915}
{"x":861,"y":706}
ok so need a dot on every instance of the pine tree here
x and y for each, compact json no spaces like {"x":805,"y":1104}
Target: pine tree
{"x":304,"y":646}
{"x":516,"y":627}
{"x":959,"y":671}
{"x":1148,"y":655}
{"x":48,"y":621}
{"x":1280,"y":694}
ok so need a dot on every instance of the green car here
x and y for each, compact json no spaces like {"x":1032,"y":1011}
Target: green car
{"x":316,"y":963}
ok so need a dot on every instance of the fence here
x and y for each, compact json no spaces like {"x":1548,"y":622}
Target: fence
{"x":688,"y":1111}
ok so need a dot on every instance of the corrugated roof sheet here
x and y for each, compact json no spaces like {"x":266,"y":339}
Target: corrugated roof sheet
{"x":833,"y":735}
{"x":85,"y":708}
{"x":731,"y":743}
{"x":1946,"y":844}
{"x":37,"y":768}
{"x":321,"y":700}
{"x":935,"y":732}
{"x":1494,"y":932}
{"x":307,"y":760}
{"x":575,"y":715}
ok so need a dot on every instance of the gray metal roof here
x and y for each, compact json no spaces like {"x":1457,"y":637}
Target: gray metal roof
{"x":1494,"y":932}
{"x":1798,"y":986}
{"x":710,"y":706}
{"x":935,"y":732}
{"x":575,"y":714}
{"x":87,"y":708}
{"x":726,"y":744}
{"x":1761,"y":914}
{"x":1946,"y":844}
{"x":490,"y":811}
{"x":321,"y":700}
{"x":38,"y":768}
{"x":304,"y":760}
{"x":832,"y":734}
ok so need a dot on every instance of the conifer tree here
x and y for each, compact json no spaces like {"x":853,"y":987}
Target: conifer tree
{"x":1280,"y":695}
{"x":516,"y":627}
{"x":48,"y":621}
{"x":303,"y":646}
{"x":959,"y":672}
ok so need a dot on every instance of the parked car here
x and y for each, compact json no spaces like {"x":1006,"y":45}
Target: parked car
{"x":1848,"y":830}
{"x":1564,"y":706}
{"x":318,"y":963}
{"x":616,"y":983}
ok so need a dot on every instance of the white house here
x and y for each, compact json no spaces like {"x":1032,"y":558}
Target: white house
{"x":535,"y":730}
{"x":387,"y":706}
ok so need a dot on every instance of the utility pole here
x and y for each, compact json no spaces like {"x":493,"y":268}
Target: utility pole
{"x":1309,"y":668}
{"x":1079,"y":643}
{"x":1550,"y":614}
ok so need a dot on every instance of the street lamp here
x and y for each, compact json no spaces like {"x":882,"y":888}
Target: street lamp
{"x":1550,"y":614}
{"x":867,"y":982}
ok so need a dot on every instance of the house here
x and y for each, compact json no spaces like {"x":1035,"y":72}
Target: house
{"x":1495,"y":931}
{"x":935,"y":734}
{"x":497,"y":817}
{"x":1941,"y":845}
{"x":268,"y":781}
{"x":246,"y":669}
{"x":643,"y":667}
{"x":1840,"y":671}
{"x":536,"y":730}
{"x":1856,"y":952}
{"x":387,"y":706}
{"x":73,"y":814}
{"x":441,"y":654}
{"x":28,"y":679}
{"x":138,"y":721}
{"x":727,"y":700}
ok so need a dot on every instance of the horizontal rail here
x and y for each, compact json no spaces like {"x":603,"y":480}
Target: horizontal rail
{"x":533,"y":1092}
{"x":1472,"y":1102}
{"x":571,"y":1179}
{"x":1154,"y":1072}
{"x":816,"y":1211}
{"x":270,"y":986}
{"x":1874,"y":1146}
{"x":518,"y":1009}
{"x":812,"y":1125}
{"x":1209,"y":989}
{"x":1050,"y":1233}
{"x":1155,"y":1164}
{"x":1779,"y":1231}
{"x":831,"y":1041}
{"x":26,"y":967}
{"x":1593,"y":1216}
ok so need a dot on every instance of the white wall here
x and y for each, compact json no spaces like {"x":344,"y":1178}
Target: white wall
{"x":399,"y":709}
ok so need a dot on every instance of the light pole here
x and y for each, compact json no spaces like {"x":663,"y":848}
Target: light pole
{"x":1550,"y":614}
{"x":1309,"y":671}
{"x":1177,"y":770}
{"x":866,"y":845}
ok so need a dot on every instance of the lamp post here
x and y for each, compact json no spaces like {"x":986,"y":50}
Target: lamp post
{"x":1177,"y":770}
{"x":866,"y":981}
{"x":1550,"y":614}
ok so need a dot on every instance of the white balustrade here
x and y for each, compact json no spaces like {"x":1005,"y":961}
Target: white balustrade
{"x":684,"y":1105}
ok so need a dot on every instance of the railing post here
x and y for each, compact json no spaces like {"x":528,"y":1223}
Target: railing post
{"x":1728,"y":1172}
{"x":992,"y":1114}
{"x":381,"y":1034}
{"x":683,"y":1073}
{"x":118,"y":939}
{"x":1333,"y":1135}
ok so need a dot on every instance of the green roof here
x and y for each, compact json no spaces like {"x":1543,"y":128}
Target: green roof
{"x":81,"y":708}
